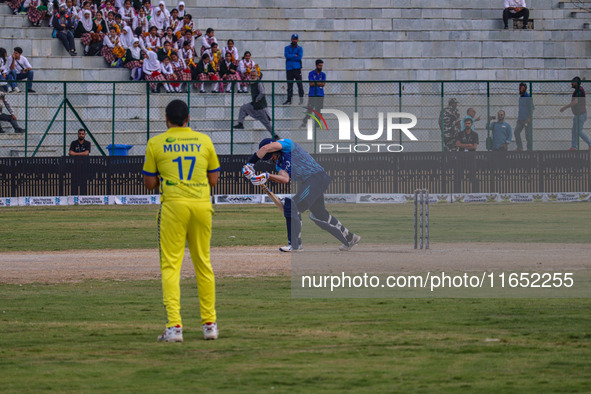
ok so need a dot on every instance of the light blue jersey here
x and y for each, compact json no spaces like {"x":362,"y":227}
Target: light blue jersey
{"x":296,"y":161}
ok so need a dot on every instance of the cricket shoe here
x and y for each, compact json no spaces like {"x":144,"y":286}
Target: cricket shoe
{"x":171,"y":334}
{"x":354,"y":241}
{"x":289,"y":249}
{"x":210,"y":331}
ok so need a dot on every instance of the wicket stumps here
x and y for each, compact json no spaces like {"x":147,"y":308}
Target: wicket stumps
{"x":422,"y":216}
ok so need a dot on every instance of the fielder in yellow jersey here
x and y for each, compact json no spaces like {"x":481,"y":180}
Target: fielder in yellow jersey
{"x":184,"y":164}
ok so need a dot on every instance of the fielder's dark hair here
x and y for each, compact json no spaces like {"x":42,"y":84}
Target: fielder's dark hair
{"x":318,"y":61}
{"x":19,"y":50}
{"x":177,"y":112}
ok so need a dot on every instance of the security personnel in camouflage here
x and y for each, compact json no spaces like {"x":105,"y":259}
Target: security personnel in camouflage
{"x":452,"y":124}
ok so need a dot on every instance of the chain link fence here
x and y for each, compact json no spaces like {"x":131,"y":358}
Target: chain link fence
{"x":124,"y":115}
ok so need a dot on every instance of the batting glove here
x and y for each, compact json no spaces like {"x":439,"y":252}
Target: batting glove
{"x":248,"y":171}
{"x":260,"y":179}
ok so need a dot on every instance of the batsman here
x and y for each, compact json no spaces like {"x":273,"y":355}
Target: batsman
{"x":293,"y":162}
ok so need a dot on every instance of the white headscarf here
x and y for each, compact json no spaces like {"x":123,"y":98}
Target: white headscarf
{"x":126,"y":39}
{"x":166,"y":13}
{"x":87,"y":22}
{"x":181,"y":13}
{"x":158,"y":20}
{"x":136,"y":53}
{"x":152,"y":64}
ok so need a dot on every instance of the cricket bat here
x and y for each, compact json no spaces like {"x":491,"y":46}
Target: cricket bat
{"x":273,"y":197}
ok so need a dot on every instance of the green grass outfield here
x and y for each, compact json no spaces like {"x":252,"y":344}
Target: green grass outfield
{"x":99,"y":336}
{"x":123,"y":227}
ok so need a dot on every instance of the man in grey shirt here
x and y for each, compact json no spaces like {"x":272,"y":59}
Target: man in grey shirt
{"x":8,"y":118}
{"x":257,"y":108}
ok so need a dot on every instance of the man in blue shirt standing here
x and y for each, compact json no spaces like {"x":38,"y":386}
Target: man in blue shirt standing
{"x":316,"y":93}
{"x":526,"y":107}
{"x":293,"y":67}
{"x":502,"y":133}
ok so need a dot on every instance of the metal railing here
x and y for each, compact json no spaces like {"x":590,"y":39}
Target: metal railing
{"x":128,"y":113}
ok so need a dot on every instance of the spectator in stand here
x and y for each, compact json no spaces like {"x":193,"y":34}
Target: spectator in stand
{"x":109,"y":43}
{"x":84,"y":30}
{"x":232,"y":50}
{"x":86,"y":6}
{"x":188,"y":37}
{"x":187,"y":54}
{"x":8,"y":118}
{"x":471,"y":112}
{"x":99,"y":27}
{"x":147,"y":6}
{"x":215,"y":56}
{"x":450,"y":121}
{"x":578,"y":106}
{"x":160,"y":17}
{"x":140,"y":24}
{"x":257,"y":108}
{"x":293,"y":67}
{"x":107,"y":7}
{"x":206,"y":72}
{"x":316,"y":93}
{"x":80,"y":147}
{"x":127,"y":13}
{"x":151,"y":69}
{"x":110,"y":21}
{"x":515,"y":9}
{"x":207,"y":40}
{"x":153,"y":41}
{"x":73,"y":11}
{"x":18,"y":67}
{"x":166,"y":51}
{"x":126,"y":39}
{"x":167,"y":73}
{"x":181,"y":70}
{"x":187,"y":25}
{"x":134,"y":59}
{"x":502,"y":134}
{"x":36,"y":11}
{"x":170,"y":37}
{"x":4,"y":70}
{"x":468,"y":139}
{"x":119,"y":24}
{"x":174,"y":21}
{"x":228,"y":71}
{"x":63,"y":26}
{"x":181,"y":8}
{"x":526,"y":107}
{"x":245,"y":68}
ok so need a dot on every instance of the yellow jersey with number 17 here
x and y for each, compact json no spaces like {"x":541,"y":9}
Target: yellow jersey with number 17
{"x":181,"y":158}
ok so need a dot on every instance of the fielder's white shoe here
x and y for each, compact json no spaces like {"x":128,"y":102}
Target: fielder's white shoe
{"x":354,"y":241}
{"x":288,"y":249}
{"x":171,"y":334}
{"x":210,"y":331}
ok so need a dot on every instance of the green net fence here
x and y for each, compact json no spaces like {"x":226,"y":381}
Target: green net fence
{"x":122,"y":116}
